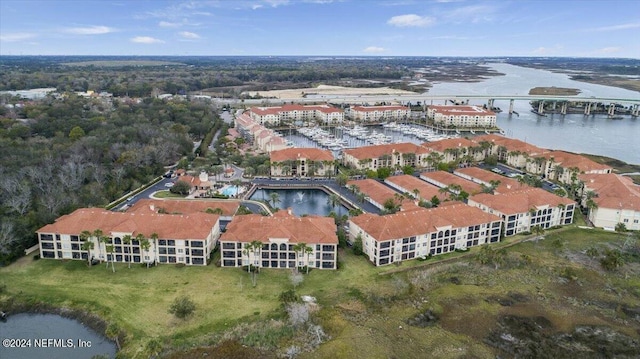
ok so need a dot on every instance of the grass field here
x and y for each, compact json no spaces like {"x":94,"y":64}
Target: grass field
{"x":365,"y":313}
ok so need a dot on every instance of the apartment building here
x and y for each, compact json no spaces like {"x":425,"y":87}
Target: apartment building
{"x":279,"y":235}
{"x":563,"y":166}
{"x":302,"y":162}
{"x":616,"y":198}
{"x":453,"y":149}
{"x":489,"y":179}
{"x":462,"y":116}
{"x":522,"y":210}
{"x":274,"y":115}
{"x":415,"y":187}
{"x":379,"y":113}
{"x":442,"y":179}
{"x":260,"y":137}
{"x":226,"y":209}
{"x":407,"y":235}
{"x":376,"y":193}
{"x":187,"y":239}
{"x":394,"y":155}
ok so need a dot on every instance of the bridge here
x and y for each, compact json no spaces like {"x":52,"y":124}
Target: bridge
{"x":563,"y":101}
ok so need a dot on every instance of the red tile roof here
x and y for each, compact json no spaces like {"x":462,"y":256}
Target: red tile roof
{"x":379,"y":108}
{"x":167,"y":226}
{"x":426,"y":190}
{"x":288,"y":108}
{"x":570,"y":160}
{"x":308,"y":229}
{"x":520,"y":201}
{"x":506,"y":184}
{"x":374,"y":190}
{"x":462,"y":110}
{"x":416,"y":222}
{"x":614,"y":191}
{"x":184,"y":206}
{"x":510,"y":143}
{"x":447,"y":178}
{"x":442,"y":145}
{"x":315,"y":154}
{"x":379,"y":150}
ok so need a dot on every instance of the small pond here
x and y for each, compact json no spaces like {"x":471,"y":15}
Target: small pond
{"x":50,"y":336}
{"x":301,"y":201}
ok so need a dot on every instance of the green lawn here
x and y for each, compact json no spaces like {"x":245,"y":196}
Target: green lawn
{"x":357,"y":303}
{"x":167,"y":194}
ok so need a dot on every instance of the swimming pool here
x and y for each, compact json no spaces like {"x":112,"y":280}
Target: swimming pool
{"x":229,"y":191}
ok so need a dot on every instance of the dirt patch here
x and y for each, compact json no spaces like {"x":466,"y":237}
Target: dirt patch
{"x":423,"y":319}
{"x":510,"y":299}
{"x":533,"y":337}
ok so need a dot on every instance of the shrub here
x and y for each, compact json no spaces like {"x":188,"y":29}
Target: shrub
{"x":288,"y":296}
{"x":182,"y":307}
{"x":36,"y":257}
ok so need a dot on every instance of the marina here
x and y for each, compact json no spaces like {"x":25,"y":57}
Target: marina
{"x":338,"y":138}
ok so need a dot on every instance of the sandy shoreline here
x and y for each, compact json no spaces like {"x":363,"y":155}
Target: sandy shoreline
{"x":329,"y":91}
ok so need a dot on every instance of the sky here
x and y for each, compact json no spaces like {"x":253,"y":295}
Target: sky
{"x":586,"y":28}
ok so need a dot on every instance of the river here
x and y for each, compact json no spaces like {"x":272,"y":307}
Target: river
{"x":594,"y":134}
{"x":50,"y":336}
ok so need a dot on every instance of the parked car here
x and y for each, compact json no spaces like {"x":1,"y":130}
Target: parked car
{"x":169,"y":184}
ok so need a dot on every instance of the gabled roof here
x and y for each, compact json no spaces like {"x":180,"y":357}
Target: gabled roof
{"x":379,"y":108}
{"x":416,"y":222}
{"x":506,"y":184}
{"x":461,"y":110}
{"x":374,"y":189}
{"x":448,"y":143}
{"x":184,"y":206}
{"x":571,"y":160}
{"x":308,"y":229}
{"x":511,"y":144}
{"x":614,"y":191}
{"x":447,"y":178}
{"x":520,"y":201}
{"x":167,"y":226}
{"x":315,"y":154}
{"x":379,"y":150}
{"x":275,"y":110}
{"x":408,"y":182}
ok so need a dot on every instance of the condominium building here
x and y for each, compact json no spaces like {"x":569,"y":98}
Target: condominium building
{"x":419,"y":233}
{"x":565,"y":166}
{"x":489,"y":179}
{"x":302,"y":162}
{"x":522,"y":210}
{"x":379,"y":113}
{"x":187,"y":239}
{"x":415,"y":187}
{"x":462,"y":116}
{"x":260,"y":137}
{"x":274,"y":115}
{"x":616,"y":198}
{"x":226,"y":209}
{"x":280,"y":235}
{"x":376,"y":193}
{"x":442,"y":179}
{"x":453,"y":149}
{"x":394,"y":155}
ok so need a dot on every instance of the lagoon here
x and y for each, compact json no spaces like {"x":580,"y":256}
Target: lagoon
{"x":301,"y":201}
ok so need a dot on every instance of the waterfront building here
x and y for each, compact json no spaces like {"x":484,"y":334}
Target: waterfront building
{"x":419,"y":233}
{"x":564,"y":166}
{"x":462,"y":116}
{"x":187,"y":239}
{"x":522,"y":210}
{"x":442,"y":179}
{"x":302,"y":162}
{"x":325,"y":114}
{"x":415,"y":187}
{"x":616,"y":199}
{"x":513,"y":152}
{"x":280,"y":236}
{"x":376,"y":192}
{"x":260,"y":137}
{"x":454,"y":149}
{"x":393,"y":155}
{"x":379,"y":113}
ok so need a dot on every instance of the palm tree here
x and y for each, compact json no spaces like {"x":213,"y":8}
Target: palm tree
{"x":256,"y":247}
{"x":308,"y":251}
{"x":87,"y":244}
{"x":298,"y":249}
{"x":145,"y":245}
{"x":110,"y":254}
{"x":236,"y":183}
{"x":98,"y":234}
{"x":274,"y":198}
{"x":248,"y":249}
{"x":416,"y":193}
{"x":333,"y":200}
{"x":126,"y":239}
{"x":154,"y":237}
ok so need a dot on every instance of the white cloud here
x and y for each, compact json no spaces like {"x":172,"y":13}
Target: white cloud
{"x":17,"y":36}
{"x":548,"y":50}
{"x":189,"y":35}
{"x":374,"y":49}
{"x":89,"y":30}
{"x":146,"y":40}
{"x":617,"y":27}
{"x":276,"y":3}
{"x":169,"y":24}
{"x":609,"y":50}
{"x":473,"y":14}
{"x":410,"y":20}
{"x":256,"y":7}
